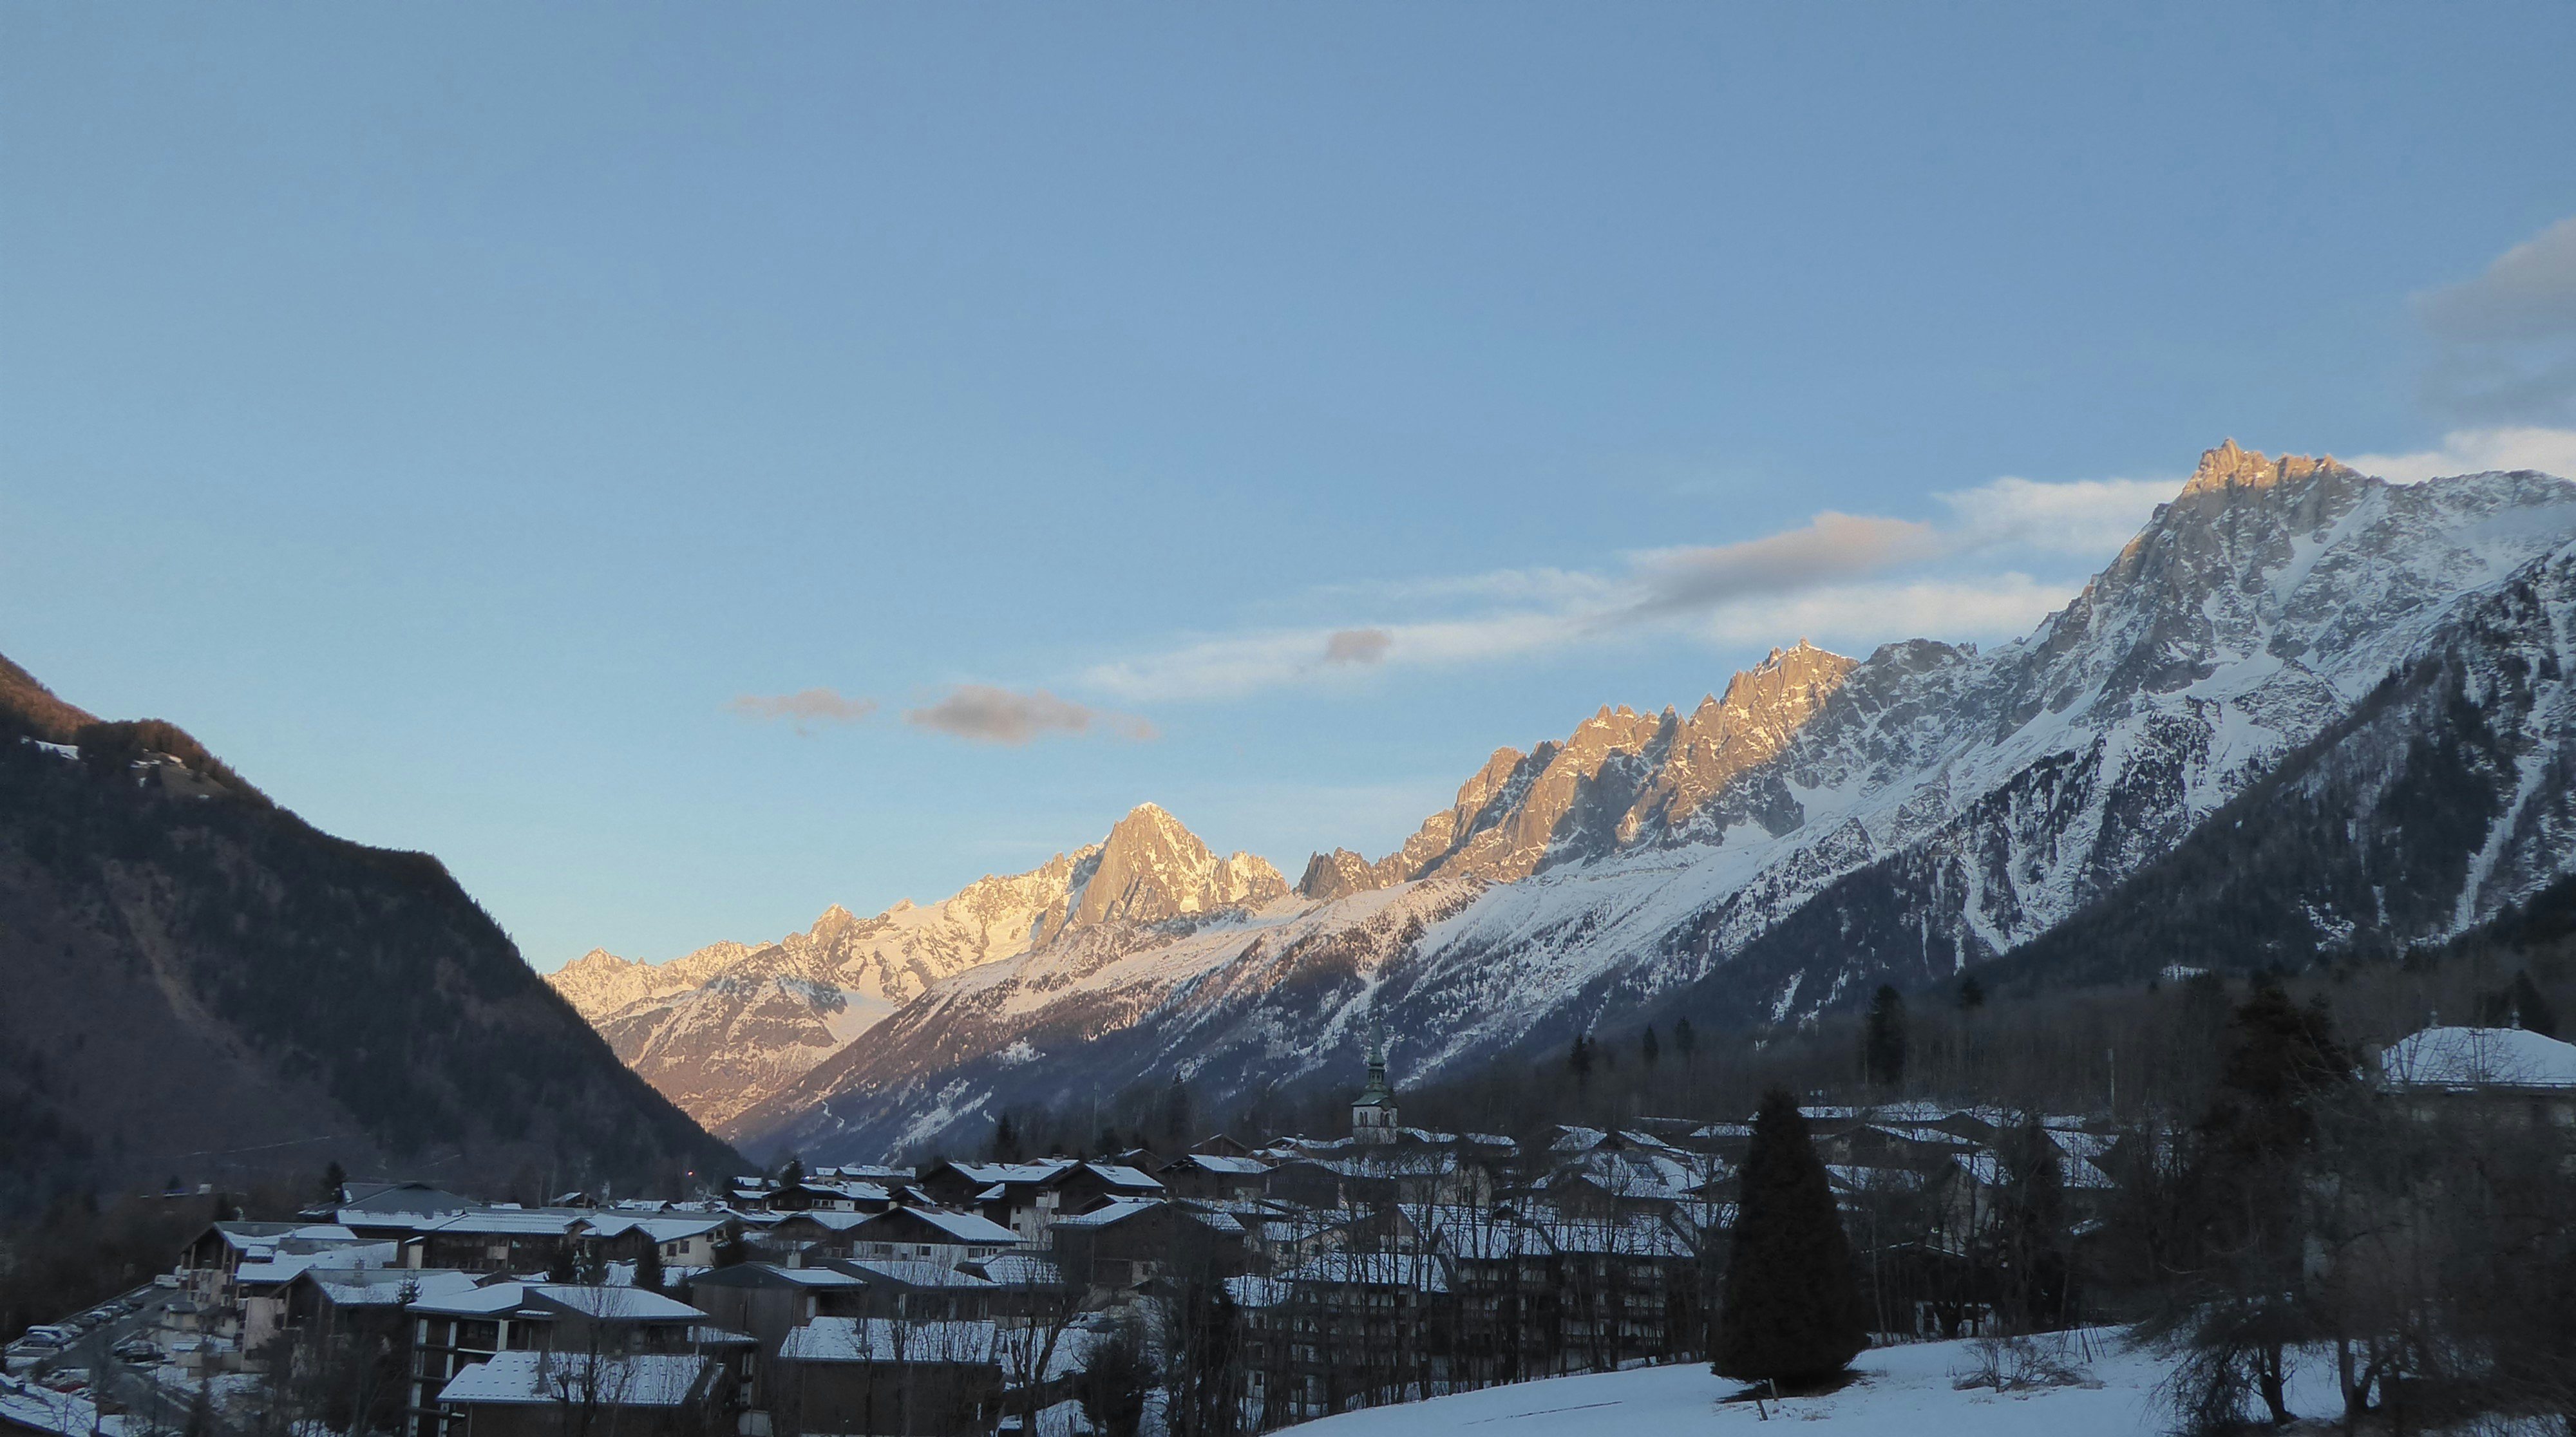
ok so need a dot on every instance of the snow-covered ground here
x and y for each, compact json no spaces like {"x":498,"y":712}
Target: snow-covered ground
{"x":1904,"y":1391}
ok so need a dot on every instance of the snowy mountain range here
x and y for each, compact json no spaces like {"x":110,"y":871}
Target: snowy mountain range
{"x":732,"y":1024}
{"x":1826,"y":825}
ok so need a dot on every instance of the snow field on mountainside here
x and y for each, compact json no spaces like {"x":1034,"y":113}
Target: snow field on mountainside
{"x":1906,"y":1391}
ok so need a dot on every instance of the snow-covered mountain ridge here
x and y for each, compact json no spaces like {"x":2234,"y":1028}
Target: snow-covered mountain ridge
{"x":1977,"y":800}
{"x":729,"y":1025}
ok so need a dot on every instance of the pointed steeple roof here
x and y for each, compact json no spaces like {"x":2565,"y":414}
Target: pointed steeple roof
{"x":1379,"y":1093}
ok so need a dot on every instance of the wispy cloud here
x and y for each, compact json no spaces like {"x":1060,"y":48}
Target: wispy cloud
{"x":2475,"y":451}
{"x":1837,"y":575}
{"x":2506,"y":339}
{"x":2085,"y":518}
{"x":982,"y":713}
{"x":805,"y":707}
{"x":1357,"y":646}
{"x":1831,"y":546}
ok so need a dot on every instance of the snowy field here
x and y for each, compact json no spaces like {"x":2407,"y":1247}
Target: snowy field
{"x":1902,"y":1392}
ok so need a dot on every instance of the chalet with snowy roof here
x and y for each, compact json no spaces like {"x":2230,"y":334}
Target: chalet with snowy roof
{"x":1028,"y":1198}
{"x":929,"y":1235}
{"x":454,"y":1331}
{"x":1131,"y":1241}
{"x":538,"y":1394}
{"x":2504,"y":1072}
{"x":1215,"y":1175}
{"x":870,"y":1375}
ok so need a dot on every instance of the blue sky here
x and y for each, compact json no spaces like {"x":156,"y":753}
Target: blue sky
{"x":538,"y":435}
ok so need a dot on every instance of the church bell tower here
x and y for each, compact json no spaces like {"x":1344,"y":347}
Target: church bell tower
{"x":1373,"y":1115}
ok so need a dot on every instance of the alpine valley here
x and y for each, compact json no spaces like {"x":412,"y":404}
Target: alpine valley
{"x":2360,"y":684}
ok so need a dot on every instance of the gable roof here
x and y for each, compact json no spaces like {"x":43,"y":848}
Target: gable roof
{"x":530,"y":1378}
{"x":2468,"y":1058}
{"x":880,"y":1339}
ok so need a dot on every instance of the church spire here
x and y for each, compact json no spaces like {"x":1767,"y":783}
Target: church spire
{"x":1373,"y":1115}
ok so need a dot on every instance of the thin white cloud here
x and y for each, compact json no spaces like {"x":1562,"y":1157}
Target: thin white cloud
{"x":1834,"y":576}
{"x":2476,"y":451}
{"x":2505,"y":341}
{"x":2084,"y":517}
{"x":805,"y":707}
{"x":982,"y":713}
{"x":1995,"y":606}
{"x":2528,"y":292}
{"x":1357,"y":646}
{"x":1832,"y":546}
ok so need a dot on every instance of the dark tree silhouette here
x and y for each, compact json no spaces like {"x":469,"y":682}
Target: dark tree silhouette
{"x":1883,"y":1051}
{"x":1793,"y":1310}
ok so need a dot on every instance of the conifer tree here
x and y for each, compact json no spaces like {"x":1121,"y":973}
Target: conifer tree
{"x":648,"y":1266}
{"x":2524,"y":1007}
{"x":1793,"y":1310}
{"x":1883,"y":1051}
{"x":1648,"y":1048}
{"x":1685,"y":1041}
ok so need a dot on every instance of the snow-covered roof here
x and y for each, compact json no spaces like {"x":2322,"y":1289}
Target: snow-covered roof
{"x":384,"y":1287}
{"x":1116,"y":1210}
{"x":959,"y":1226}
{"x":879,"y":1339}
{"x":1372,"y":1269}
{"x":1036,"y":1172}
{"x":1211,"y":1162}
{"x":607,"y":1304}
{"x":915,"y":1274}
{"x":658,"y":1228}
{"x":531,"y":1378}
{"x":2478,"y":1058}
{"x":1852,"y":1177}
{"x":504,"y":1222}
{"x":1120,"y":1175}
{"x":1021,"y":1269}
{"x":41,"y":1409}
{"x":1256,"y":1292}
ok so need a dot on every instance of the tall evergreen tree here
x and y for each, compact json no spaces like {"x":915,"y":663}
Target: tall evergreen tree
{"x":1883,"y":1051}
{"x":1648,"y":1048}
{"x":1972,"y":994}
{"x":1793,"y":1310}
{"x":2256,"y":1148}
{"x":2521,"y":1006}
{"x":1685,"y":1041}
{"x":1579,"y":1058}
{"x":648,"y":1266}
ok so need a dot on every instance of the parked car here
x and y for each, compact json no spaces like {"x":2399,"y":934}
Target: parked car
{"x":65,"y":1379}
{"x":138,"y":1352}
{"x":52,"y":1333}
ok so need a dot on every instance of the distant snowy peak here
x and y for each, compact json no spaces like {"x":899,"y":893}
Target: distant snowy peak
{"x":723,"y":1028}
{"x":1826,"y":825}
{"x":1151,"y":868}
{"x":1622,"y":779}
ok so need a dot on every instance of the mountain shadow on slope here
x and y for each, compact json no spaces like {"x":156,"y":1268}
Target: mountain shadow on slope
{"x":204,"y":987}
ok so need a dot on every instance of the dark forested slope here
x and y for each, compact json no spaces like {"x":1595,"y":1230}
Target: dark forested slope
{"x":194,"y":983}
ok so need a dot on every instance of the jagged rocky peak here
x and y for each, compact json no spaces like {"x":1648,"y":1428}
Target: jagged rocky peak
{"x":1335,"y":875}
{"x":2230,"y":467}
{"x":1621,"y":779}
{"x":1151,"y":867}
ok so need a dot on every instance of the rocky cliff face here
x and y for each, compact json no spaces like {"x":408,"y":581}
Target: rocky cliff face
{"x":729,"y":1026}
{"x":1621,"y":780}
{"x":1151,"y":868}
{"x":1828,"y":822}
